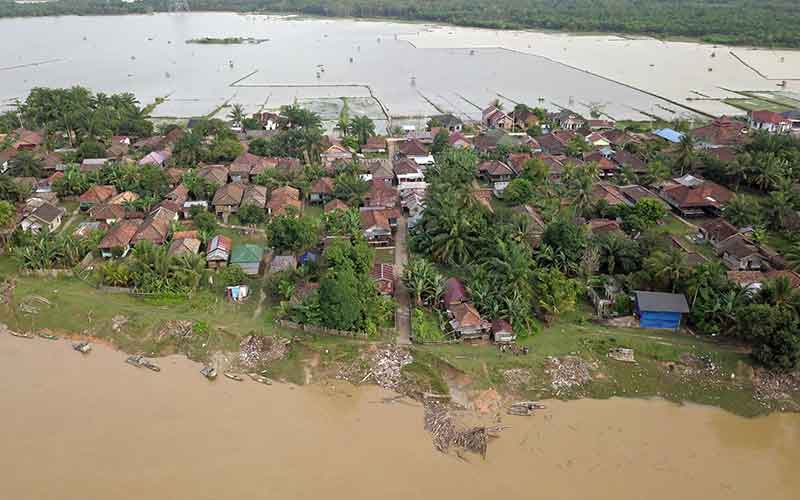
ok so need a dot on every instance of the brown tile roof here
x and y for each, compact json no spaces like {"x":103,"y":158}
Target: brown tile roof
{"x":374,"y":218}
{"x":719,"y":229}
{"x":217,"y":174}
{"x":705,"y":194}
{"x":123,"y":197}
{"x":517,"y":161}
{"x":412,"y":147}
{"x":229,"y":195}
{"x":466,"y":315}
{"x":174,"y":174}
{"x":154,"y":228}
{"x":457,"y":137}
{"x":634,"y":192}
{"x":255,"y":195}
{"x":120,"y":234}
{"x":608,"y":192}
{"x":793,"y":277}
{"x":405,"y":166}
{"x":375,"y":143}
{"x":184,"y":246}
{"x":104,"y":211}
{"x":746,"y":278}
{"x":738,"y":246}
{"x":495,"y":168}
{"x":323,"y":185}
{"x":178,"y":195}
{"x":602,"y":226}
{"x":98,"y":194}
{"x":335,"y":205}
{"x":723,"y":131}
{"x":381,"y":195}
{"x":282,"y":198}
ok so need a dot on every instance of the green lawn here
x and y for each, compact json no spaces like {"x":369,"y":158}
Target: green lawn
{"x":76,"y":307}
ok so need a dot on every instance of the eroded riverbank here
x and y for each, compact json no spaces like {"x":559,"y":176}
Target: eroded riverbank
{"x":77,"y":426}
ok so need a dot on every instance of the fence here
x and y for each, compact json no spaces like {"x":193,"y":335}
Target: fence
{"x":320,"y":330}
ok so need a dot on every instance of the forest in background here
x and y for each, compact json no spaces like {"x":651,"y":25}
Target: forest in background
{"x":771,"y":23}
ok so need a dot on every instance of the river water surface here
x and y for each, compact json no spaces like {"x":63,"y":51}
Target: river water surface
{"x":93,"y":427}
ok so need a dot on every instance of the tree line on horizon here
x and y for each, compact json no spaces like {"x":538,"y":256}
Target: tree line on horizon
{"x":774,"y":23}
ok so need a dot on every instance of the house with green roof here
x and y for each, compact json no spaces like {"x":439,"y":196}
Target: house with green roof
{"x":248,"y":257}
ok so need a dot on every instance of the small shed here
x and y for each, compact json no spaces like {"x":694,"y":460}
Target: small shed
{"x":502,"y":332}
{"x":248,"y":257}
{"x":660,"y":310}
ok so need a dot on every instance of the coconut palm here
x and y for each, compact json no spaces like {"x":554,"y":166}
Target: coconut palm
{"x":669,"y":267}
{"x":237,"y":114}
{"x":686,"y":154}
{"x":768,"y":170}
{"x":363,"y":128}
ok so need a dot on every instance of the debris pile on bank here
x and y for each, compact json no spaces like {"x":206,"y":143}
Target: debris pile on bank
{"x":32,"y":304}
{"x":256,"y":349}
{"x":622,"y":354}
{"x":178,"y":329}
{"x":772,"y":386}
{"x":517,"y":378}
{"x":446,"y":434}
{"x":567,"y":372}
{"x":387,"y":364}
{"x":118,"y":322}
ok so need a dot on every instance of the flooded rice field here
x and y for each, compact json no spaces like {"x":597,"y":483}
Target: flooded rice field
{"x":386,"y":69}
{"x":81,"y":426}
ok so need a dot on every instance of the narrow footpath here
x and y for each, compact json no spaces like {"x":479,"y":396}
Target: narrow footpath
{"x":403,"y":315}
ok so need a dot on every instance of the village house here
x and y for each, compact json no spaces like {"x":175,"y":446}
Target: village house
{"x":378,"y":171}
{"x":375,"y":144}
{"x":597,"y":227}
{"x":376,"y":227}
{"x":406,"y":170}
{"x":282,"y":198}
{"x":723,"y":131}
{"x":89,"y":165}
{"x":96,"y":195}
{"x":107,"y":212}
{"x":569,"y":120}
{"x":256,"y":196}
{"x":321,"y":190}
{"x":123,"y":198}
{"x":218,"y":252}
{"x":184,"y":243}
{"x":447,"y":121}
{"x":155,"y":227}
{"x":175,"y":175}
{"x":26,"y":140}
{"x":454,"y":293}
{"x":492,"y":117}
{"x":466,"y":322}
{"x":457,"y":140}
{"x":633,"y":193}
{"x":740,"y":254}
{"x":717,"y":231}
{"x":793,"y":117}
{"x":628,"y":160}
{"x":600,"y":124}
{"x":769,"y":121}
{"x":117,"y":241}
{"x":555,"y":142}
{"x":248,"y":257}
{"x":609,"y":193}
{"x":335,"y":153}
{"x":46,"y":217}
{"x":381,"y":195}
{"x":524,"y":118}
{"x":383,"y":275}
{"x":215,"y":174}
{"x":414,"y":150}
{"x":692,"y":196}
{"x":270,"y":121}
{"x":497,"y":173}
{"x":227,"y":199}
{"x":46,"y":185}
{"x":660,"y":310}
{"x":502,"y":332}
{"x":158,"y":158}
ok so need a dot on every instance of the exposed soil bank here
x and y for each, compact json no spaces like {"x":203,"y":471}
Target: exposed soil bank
{"x":76,"y":426}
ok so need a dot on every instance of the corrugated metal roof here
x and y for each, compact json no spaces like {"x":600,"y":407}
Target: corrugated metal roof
{"x":661,"y":302}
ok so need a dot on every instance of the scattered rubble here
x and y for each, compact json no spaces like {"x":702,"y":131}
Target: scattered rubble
{"x":567,"y":372}
{"x":386,"y":365}
{"x":257,"y":349}
{"x":770,"y":386}
{"x":622,"y":354}
{"x":31,"y":304}
{"x":118,"y":322}
{"x":517,"y":378}
{"x":179,"y":329}
{"x":525,"y":408}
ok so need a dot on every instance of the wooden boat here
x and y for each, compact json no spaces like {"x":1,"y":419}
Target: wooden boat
{"x":140,"y":361}
{"x":82,"y":347}
{"x":48,"y":336}
{"x":259,"y":378}
{"x":234,"y":376}
{"x":21,"y":335}
{"x":209,"y":372}
{"x":525,"y":408}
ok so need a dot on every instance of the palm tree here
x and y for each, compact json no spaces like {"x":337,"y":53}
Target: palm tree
{"x":657,"y":171}
{"x":668,"y":266}
{"x":237,"y":114}
{"x":781,"y":204}
{"x":686,"y":154}
{"x":363,"y":128}
{"x":25,"y":164}
{"x":769,"y":169}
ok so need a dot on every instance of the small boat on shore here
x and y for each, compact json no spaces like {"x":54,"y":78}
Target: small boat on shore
{"x":234,"y":376}
{"x":21,"y":335}
{"x":82,"y":347}
{"x":48,"y":336}
{"x":259,"y":378}
{"x":140,"y":361}
{"x":209,"y":372}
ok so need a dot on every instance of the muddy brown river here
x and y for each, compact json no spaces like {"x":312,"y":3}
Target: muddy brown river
{"x":93,"y":427}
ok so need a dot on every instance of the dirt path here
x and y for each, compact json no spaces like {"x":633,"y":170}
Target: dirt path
{"x":403,"y":315}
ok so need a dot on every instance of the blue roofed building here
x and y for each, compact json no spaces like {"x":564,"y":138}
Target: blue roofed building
{"x":669,"y":135}
{"x":660,"y":310}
